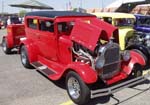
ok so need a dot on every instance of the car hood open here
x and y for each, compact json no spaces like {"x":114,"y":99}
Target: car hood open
{"x":88,"y":33}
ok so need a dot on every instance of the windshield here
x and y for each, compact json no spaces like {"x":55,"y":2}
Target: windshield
{"x":120,"y":22}
{"x":143,"y":22}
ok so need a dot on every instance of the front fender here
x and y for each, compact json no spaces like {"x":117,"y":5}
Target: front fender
{"x":141,"y":48}
{"x":136,"y":58}
{"x":31,"y":49}
{"x":87,"y":74}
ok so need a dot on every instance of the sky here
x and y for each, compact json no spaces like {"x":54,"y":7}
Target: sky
{"x":56,"y":4}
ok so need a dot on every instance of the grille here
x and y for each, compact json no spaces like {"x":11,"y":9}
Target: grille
{"x":112,"y":62}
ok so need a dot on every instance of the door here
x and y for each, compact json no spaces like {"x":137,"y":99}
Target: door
{"x":47,"y":39}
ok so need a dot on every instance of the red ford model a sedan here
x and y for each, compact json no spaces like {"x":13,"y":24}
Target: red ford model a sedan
{"x":81,"y":48}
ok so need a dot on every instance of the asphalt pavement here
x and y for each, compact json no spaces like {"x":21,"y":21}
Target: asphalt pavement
{"x":20,"y":86}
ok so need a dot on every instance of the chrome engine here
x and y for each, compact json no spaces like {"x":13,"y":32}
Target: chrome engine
{"x":106,"y":58}
{"x":140,"y":38}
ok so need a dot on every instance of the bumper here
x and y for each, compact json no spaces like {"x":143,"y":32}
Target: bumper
{"x":118,"y":87}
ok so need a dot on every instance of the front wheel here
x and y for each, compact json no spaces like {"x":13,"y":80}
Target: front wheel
{"x":77,"y":90}
{"x":5,"y":47}
{"x":136,"y":71}
{"x":24,"y":57}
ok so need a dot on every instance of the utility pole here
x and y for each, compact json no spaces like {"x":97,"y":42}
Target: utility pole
{"x":80,"y":3}
{"x":2,"y":6}
{"x":102,"y":4}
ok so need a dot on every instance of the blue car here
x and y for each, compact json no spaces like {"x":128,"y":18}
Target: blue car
{"x":141,"y":40}
{"x":142,"y":23}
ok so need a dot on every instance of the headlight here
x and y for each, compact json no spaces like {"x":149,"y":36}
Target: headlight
{"x":147,"y":37}
{"x":126,"y":55}
{"x":100,"y":62}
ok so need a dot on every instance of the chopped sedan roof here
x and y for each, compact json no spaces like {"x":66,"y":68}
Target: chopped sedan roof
{"x":53,"y":14}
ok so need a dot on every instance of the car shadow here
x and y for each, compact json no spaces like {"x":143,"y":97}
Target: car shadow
{"x":129,"y":98}
{"x":99,"y":100}
{"x":59,"y":83}
{"x":146,"y":67}
{"x":104,"y":99}
{"x":13,"y":52}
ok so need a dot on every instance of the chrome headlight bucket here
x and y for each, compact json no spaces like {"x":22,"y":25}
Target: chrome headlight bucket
{"x":100,"y":61}
{"x":126,"y":55}
{"x":147,"y":36}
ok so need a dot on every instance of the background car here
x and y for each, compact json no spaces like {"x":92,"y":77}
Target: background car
{"x":142,"y":23}
{"x":125,"y":23}
{"x":141,"y":40}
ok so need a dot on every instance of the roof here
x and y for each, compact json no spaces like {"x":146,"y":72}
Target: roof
{"x":53,"y":14}
{"x":118,"y":3}
{"x":140,"y":15}
{"x":34,"y":4}
{"x":114,"y":15}
{"x":143,"y":5}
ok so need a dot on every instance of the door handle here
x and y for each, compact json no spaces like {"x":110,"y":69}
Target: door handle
{"x":38,"y":35}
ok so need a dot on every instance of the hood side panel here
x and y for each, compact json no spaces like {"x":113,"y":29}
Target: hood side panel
{"x":85,"y":34}
{"x":110,"y":29}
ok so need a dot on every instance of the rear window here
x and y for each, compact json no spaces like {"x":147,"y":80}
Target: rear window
{"x":32,"y":23}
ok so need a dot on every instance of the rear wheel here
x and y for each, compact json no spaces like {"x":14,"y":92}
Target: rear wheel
{"x":78,"y":91}
{"x":24,"y":57}
{"x":5,"y":47}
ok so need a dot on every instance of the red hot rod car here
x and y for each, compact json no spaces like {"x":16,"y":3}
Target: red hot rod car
{"x":81,"y":48}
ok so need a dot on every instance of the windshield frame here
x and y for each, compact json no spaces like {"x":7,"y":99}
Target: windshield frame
{"x":131,"y":24}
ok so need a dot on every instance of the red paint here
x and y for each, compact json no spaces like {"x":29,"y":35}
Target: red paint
{"x":53,"y":49}
{"x":14,"y":33}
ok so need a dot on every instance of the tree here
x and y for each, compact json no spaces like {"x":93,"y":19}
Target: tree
{"x":22,"y":13}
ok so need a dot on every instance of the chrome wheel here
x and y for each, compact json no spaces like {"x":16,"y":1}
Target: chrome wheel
{"x":23,"y":57}
{"x":74,"y":88}
{"x":4,"y":46}
{"x":77,"y":90}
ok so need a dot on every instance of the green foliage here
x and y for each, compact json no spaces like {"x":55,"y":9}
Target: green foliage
{"x":22,"y":13}
{"x":75,"y":9}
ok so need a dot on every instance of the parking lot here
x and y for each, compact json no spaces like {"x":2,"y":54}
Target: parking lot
{"x":20,"y":86}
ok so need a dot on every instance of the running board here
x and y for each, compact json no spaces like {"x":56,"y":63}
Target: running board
{"x":118,"y":87}
{"x":43,"y":69}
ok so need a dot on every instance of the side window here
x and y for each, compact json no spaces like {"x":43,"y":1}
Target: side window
{"x":46,"y":25}
{"x":62,"y":27}
{"x":33,"y":23}
{"x":65,"y":27}
{"x":108,"y":20}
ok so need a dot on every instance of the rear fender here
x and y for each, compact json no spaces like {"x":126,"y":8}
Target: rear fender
{"x":136,"y":58}
{"x":87,"y":74}
{"x":31,"y":49}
